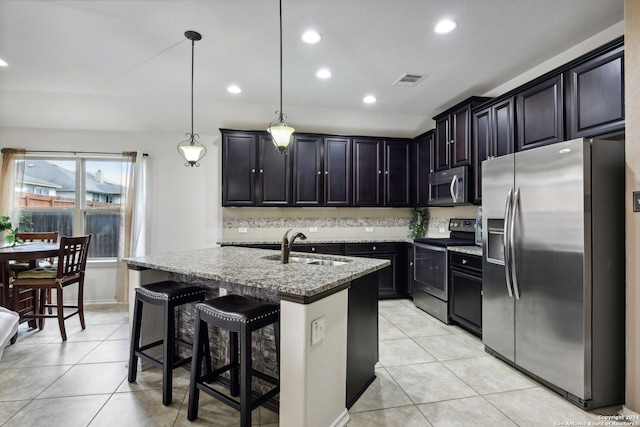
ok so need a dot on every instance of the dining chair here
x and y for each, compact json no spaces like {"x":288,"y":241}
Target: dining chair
{"x":42,"y":236}
{"x":72,"y":261}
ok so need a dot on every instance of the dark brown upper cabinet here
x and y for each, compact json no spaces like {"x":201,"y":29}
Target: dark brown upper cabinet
{"x":493,"y":136}
{"x":253,"y":172}
{"x":540,"y":114}
{"x":368,"y":164}
{"x":273,"y":174}
{"x":452,"y":147}
{"x":239,"y":164}
{"x":307,"y":170}
{"x":321,"y":171}
{"x":381,"y":172}
{"x":595,"y":103}
{"x":397,"y":173}
{"x":423,"y":166}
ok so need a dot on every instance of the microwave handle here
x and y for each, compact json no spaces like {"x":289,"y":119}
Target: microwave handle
{"x":454,"y":183}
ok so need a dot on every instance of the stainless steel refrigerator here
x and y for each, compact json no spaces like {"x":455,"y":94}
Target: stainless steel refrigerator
{"x":553,"y":266}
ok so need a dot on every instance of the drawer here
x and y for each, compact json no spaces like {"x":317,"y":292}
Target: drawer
{"x":369,"y":248}
{"x":320,"y":248}
{"x":461,"y":260}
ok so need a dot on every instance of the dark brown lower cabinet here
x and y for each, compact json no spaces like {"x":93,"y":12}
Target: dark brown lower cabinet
{"x":362,"y":336}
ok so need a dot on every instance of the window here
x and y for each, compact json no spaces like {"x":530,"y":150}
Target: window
{"x":73,"y":196}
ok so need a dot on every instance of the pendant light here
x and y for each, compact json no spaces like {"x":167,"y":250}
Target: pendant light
{"x":191,"y":149}
{"x":280,"y":131}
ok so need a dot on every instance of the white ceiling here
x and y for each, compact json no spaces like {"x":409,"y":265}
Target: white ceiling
{"x":125,"y":65}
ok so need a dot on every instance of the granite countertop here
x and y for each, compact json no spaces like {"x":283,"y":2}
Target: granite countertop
{"x":250,"y":267}
{"x":472,"y":250}
{"x":311,"y":241}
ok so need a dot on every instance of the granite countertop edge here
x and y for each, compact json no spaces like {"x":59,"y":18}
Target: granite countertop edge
{"x":229,"y":242}
{"x":258,"y":268}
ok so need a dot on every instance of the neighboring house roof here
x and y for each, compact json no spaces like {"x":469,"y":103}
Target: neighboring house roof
{"x":39,"y":182}
{"x":50,"y":174}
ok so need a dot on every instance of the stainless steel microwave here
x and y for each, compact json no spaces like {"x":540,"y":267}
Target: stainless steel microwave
{"x":449,"y":187}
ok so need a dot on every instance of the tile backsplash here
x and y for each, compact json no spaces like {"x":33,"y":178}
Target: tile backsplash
{"x":255,"y":224}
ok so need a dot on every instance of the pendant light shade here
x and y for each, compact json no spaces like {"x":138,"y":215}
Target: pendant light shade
{"x":280,"y":131}
{"x":192,"y":150}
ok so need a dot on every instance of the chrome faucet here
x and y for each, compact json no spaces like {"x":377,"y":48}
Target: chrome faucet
{"x":287,"y":244}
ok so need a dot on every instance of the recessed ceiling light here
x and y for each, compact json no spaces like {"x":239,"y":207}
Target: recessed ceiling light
{"x":323,"y":73}
{"x":311,"y":37}
{"x":234,"y":89}
{"x":3,"y":64}
{"x":445,"y":26}
{"x":369,"y":99}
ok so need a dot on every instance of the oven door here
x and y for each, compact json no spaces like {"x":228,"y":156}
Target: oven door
{"x":430,"y":269}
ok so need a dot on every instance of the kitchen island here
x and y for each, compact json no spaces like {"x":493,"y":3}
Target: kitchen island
{"x":313,"y":373}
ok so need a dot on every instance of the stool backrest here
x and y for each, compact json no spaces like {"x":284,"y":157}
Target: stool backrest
{"x":72,"y":258}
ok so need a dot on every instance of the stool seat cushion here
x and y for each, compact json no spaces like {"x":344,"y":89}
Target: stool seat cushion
{"x":237,"y":308}
{"x":169,"y":290}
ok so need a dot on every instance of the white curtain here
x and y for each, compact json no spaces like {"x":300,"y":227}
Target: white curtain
{"x":11,"y":174}
{"x":132,"y":241}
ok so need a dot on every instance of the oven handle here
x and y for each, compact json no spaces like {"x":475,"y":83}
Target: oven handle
{"x":505,"y":242}
{"x":514,"y":276}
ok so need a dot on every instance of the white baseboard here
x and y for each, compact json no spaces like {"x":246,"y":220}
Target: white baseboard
{"x":342,"y":420}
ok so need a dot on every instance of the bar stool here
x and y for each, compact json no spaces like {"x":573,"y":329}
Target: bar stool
{"x":240,"y":316}
{"x":168,"y":295}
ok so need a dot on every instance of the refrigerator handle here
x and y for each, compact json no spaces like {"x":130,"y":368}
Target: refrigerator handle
{"x":505,"y":242}
{"x":454,"y":181}
{"x":512,"y":238}
{"x":430,"y":197}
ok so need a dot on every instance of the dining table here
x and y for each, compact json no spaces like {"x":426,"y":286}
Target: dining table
{"x":30,"y":251}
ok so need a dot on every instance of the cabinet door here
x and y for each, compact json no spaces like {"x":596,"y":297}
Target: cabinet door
{"x":540,"y":114}
{"x":481,"y":147}
{"x":274,"y":174}
{"x":367,"y":174}
{"x":397,"y":173}
{"x":307,"y":170}
{"x":337,"y":171}
{"x":238,"y":169}
{"x":596,"y":96}
{"x":502,"y":128}
{"x":442,"y":143}
{"x":461,"y":137}
{"x":423,"y":167}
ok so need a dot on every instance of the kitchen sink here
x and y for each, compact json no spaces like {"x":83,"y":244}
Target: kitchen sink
{"x":310,"y":261}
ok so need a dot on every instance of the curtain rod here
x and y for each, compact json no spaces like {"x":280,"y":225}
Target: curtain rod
{"x":80,"y":152}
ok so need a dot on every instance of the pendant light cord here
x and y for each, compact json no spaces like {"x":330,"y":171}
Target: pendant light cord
{"x":193,"y":43}
{"x":281,"y":60}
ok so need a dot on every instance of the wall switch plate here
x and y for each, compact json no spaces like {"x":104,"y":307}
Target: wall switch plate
{"x":313,"y":229}
{"x":242,"y":229}
{"x":369,"y":229}
{"x":317,"y":330}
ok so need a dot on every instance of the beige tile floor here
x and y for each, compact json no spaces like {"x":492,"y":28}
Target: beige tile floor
{"x":429,"y":374}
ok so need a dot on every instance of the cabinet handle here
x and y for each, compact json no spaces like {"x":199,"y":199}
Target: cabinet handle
{"x":386,"y":172}
{"x":261,"y":171}
{"x":411,"y":263}
{"x":319,"y":172}
{"x":253,"y":171}
{"x":379,"y":172}
{"x":464,"y":261}
{"x":326,"y":172}
{"x":313,"y":249}
{"x":374,"y":248}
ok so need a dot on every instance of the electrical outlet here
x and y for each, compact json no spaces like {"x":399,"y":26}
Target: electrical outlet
{"x":222,"y":292}
{"x":242,"y":229}
{"x":317,"y":330}
{"x":313,"y":229}
{"x":442,"y":230}
{"x":369,"y":229}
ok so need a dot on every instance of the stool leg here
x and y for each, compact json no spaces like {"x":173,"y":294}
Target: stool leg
{"x":199,"y":335}
{"x":167,"y":363}
{"x":245,"y":377}
{"x":135,"y":340}
{"x":233,"y":360}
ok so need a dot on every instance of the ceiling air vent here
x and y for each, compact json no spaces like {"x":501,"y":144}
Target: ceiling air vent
{"x":409,"y":79}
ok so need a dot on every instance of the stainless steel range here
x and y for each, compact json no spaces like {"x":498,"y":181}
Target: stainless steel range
{"x":431,"y":269}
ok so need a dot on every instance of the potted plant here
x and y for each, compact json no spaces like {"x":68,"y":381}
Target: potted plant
{"x":419,"y":222}
{"x":10,"y":238}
